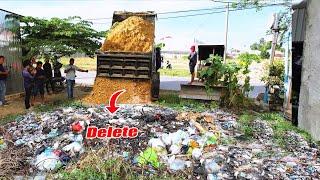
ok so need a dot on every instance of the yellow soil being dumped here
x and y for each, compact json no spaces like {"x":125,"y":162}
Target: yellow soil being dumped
{"x":134,"y":34}
{"x":137,"y":91}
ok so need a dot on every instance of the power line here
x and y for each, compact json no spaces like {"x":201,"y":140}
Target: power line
{"x":207,"y":13}
{"x":216,"y":12}
{"x":170,"y":12}
{"x":192,"y":10}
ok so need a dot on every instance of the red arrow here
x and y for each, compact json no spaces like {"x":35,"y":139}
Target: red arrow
{"x":113,"y":100}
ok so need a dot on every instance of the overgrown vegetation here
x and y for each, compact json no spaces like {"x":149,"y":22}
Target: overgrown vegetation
{"x":234,"y":76}
{"x":279,"y":125}
{"x":274,"y":74}
{"x":115,"y":169}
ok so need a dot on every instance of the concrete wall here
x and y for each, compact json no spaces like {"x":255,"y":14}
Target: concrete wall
{"x":309,"y":104}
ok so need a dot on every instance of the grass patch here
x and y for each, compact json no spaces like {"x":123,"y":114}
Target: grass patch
{"x":245,"y":121}
{"x":278,"y":123}
{"x":115,"y":169}
{"x":9,"y":118}
{"x":281,"y":126}
{"x":59,"y":103}
{"x":174,"y":72}
{"x":175,"y":102}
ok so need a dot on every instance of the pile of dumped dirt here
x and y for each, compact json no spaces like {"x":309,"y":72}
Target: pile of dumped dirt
{"x":137,"y":91}
{"x":131,"y":35}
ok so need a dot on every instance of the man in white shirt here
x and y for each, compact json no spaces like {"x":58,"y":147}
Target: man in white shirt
{"x":70,"y":71}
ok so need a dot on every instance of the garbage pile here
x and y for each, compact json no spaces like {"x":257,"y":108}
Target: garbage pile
{"x":134,"y":34}
{"x":180,"y":141}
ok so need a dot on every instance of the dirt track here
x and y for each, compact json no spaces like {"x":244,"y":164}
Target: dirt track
{"x":16,"y":105}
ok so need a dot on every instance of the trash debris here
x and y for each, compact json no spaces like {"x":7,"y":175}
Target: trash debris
{"x":176,"y":164}
{"x":47,"y":161}
{"x":188,"y":142}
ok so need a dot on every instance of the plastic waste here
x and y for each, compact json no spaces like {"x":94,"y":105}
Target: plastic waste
{"x":125,"y":155}
{"x":178,"y":136}
{"x":78,"y":127}
{"x":67,"y":110}
{"x":175,"y":149}
{"x":196,"y":153}
{"x":212,"y":138}
{"x":19,"y":142}
{"x":149,"y":156}
{"x":193,"y":144}
{"x":76,"y":138}
{"x":211,"y":166}
{"x":47,"y":161}
{"x":53,"y":133}
{"x":74,"y":147}
{"x":156,"y":143}
{"x":212,"y":177}
{"x":184,"y":149}
{"x":64,"y":158}
{"x":176,"y":164}
{"x":166,"y":139}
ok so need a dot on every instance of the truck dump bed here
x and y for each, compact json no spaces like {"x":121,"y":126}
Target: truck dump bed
{"x":136,"y":65}
{"x":133,"y":66}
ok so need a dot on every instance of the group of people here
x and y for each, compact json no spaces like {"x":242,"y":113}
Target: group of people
{"x":37,"y":77}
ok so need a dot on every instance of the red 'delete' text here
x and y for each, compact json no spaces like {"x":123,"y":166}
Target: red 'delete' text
{"x":111,"y":132}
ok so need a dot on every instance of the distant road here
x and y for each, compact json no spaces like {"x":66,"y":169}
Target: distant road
{"x":166,"y":82}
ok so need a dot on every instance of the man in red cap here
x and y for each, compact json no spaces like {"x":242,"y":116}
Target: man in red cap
{"x":192,"y":62}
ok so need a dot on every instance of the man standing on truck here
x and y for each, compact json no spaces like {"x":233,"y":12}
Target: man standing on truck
{"x":192,"y":62}
{"x":70,"y":71}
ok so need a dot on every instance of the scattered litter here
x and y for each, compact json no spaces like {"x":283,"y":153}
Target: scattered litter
{"x":188,"y":142}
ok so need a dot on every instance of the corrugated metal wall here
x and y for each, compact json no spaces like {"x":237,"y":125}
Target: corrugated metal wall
{"x":298,"y":25}
{"x":10,"y":48}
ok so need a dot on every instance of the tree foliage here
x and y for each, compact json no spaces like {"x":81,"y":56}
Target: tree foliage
{"x":60,"y":37}
{"x":264,"y":47}
{"x":233,"y":75}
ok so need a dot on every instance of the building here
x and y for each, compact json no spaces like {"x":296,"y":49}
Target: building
{"x":305,"y":58}
{"x":11,"y":49}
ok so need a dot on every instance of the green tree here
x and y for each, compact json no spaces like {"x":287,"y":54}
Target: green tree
{"x":264,"y":47}
{"x":61,"y":37}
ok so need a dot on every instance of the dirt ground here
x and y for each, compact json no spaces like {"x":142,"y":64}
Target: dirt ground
{"x":16,"y":105}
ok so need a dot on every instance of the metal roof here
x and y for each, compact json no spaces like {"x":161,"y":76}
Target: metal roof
{"x":299,"y":21}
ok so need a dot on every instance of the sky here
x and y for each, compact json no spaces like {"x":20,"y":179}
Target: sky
{"x":245,"y":26}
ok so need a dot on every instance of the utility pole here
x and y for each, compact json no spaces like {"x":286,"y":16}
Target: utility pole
{"x":275,"y":30}
{"x":226,"y":34}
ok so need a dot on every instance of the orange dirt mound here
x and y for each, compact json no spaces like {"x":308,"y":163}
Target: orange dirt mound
{"x":137,"y":91}
{"x":134,"y":34}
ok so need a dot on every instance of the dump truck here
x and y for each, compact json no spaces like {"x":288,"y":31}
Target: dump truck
{"x":197,"y":89}
{"x":131,"y":65}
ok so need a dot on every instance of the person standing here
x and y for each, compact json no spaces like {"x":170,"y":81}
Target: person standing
{"x":192,"y":62}
{"x":70,"y":71}
{"x":40,"y":79}
{"x":28,"y":76}
{"x":33,"y":62}
{"x":48,"y":72}
{"x":3,"y":78}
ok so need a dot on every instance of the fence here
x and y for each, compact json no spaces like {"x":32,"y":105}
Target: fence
{"x":10,"y":48}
